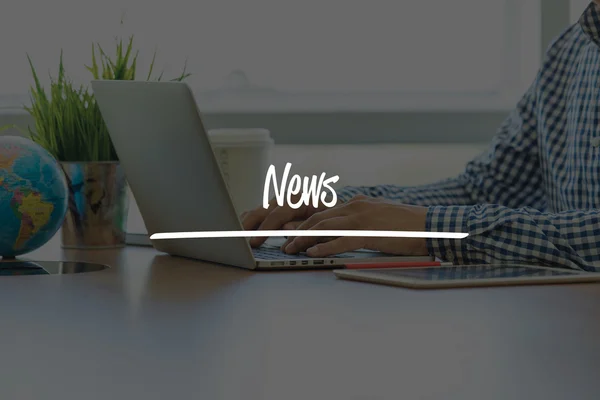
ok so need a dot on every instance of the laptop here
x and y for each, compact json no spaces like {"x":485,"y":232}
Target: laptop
{"x":168,"y":160}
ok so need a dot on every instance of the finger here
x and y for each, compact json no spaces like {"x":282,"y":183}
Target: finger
{"x":336,"y":246}
{"x":290,"y":226}
{"x":294,"y":225}
{"x":281,"y":215}
{"x":301,"y":226}
{"x":321,"y":216}
{"x":252,"y":220}
{"x":275,"y":220}
{"x":301,"y":243}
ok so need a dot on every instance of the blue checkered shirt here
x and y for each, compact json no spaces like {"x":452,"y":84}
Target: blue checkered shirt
{"x":534,"y":195}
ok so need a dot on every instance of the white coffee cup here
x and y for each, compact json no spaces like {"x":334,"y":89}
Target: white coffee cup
{"x":244,"y":156}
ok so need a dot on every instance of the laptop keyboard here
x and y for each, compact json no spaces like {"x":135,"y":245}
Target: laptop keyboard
{"x":274,"y":253}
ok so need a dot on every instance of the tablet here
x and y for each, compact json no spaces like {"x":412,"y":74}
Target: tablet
{"x":467,"y":276}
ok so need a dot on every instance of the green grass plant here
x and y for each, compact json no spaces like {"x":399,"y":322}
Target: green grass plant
{"x":68,"y":122}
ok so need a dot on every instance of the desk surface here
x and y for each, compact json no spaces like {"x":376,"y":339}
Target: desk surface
{"x":156,"y":327}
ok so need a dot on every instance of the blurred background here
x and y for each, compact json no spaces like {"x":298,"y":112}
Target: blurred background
{"x":433,"y":79}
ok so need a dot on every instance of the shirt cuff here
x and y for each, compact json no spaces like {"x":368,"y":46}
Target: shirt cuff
{"x":449,"y":219}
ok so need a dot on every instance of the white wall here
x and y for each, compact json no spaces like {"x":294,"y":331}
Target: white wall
{"x":576,"y":8}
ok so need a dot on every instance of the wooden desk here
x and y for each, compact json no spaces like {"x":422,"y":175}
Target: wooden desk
{"x":155,"y":327}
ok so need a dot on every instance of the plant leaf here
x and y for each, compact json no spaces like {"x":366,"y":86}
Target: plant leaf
{"x":67,"y":119}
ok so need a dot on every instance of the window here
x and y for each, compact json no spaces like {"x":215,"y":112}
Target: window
{"x":284,"y":55}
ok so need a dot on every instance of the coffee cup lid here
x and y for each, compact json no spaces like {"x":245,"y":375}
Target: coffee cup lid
{"x":240,"y":136}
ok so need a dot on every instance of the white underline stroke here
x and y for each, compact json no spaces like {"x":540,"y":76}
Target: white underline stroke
{"x":316,"y":232}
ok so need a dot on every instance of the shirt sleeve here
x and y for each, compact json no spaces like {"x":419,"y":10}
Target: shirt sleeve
{"x":498,"y":234}
{"x":508,"y":173}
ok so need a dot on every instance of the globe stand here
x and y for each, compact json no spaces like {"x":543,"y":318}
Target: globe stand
{"x":11,"y":266}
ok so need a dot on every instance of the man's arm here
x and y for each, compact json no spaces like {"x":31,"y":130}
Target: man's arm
{"x":500,"y":234}
{"x":507,"y":173}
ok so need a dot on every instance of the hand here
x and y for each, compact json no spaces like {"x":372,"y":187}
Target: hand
{"x":363,"y":213}
{"x":276,"y":217}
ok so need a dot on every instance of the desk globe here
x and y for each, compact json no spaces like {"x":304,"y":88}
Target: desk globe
{"x":33,"y":196}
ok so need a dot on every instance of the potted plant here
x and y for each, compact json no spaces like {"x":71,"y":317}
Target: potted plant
{"x":68,"y":124}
